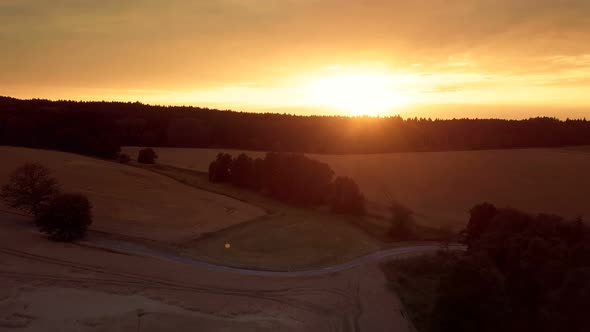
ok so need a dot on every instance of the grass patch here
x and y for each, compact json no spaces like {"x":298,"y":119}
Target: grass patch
{"x":416,"y":280}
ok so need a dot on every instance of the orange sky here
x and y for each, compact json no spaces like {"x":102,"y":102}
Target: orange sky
{"x":440,"y":58}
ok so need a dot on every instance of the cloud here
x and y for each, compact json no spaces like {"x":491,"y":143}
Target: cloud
{"x":186,"y":44}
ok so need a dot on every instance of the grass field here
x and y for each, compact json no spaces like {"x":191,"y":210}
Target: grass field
{"x":184,"y":212}
{"x":287,"y":238}
{"x":442,"y":186}
{"x":135,"y":202}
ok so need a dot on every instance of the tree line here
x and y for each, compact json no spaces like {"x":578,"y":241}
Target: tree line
{"x":520,"y":272}
{"x":291,"y":178}
{"x":100,"y":128}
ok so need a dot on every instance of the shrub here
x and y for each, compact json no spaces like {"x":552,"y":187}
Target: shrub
{"x":30,"y":187}
{"x":346,"y":197}
{"x":147,"y":156}
{"x":66,"y":218}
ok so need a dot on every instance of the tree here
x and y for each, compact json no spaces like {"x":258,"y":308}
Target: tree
{"x":30,"y":187}
{"x":66,"y":218}
{"x":471,"y":298}
{"x":403,"y":224}
{"x":346,"y":197}
{"x":242,"y":171}
{"x":481,"y":217}
{"x":525,"y":272}
{"x":220,"y":168}
{"x":147,"y":156}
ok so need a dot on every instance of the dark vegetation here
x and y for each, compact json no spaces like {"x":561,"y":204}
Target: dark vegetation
{"x":32,"y":189}
{"x":416,"y":281}
{"x":146,"y":156}
{"x":100,"y":128}
{"x":124,"y":158}
{"x":520,"y":272}
{"x":403,"y":225}
{"x":29,"y":188}
{"x":291,"y":178}
{"x":66,"y":218}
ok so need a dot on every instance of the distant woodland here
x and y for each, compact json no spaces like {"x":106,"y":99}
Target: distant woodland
{"x":100,"y":128}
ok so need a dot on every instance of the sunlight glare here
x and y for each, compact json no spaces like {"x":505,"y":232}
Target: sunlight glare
{"x":356,"y":94}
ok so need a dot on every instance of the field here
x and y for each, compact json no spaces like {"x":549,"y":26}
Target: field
{"x":442,"y":186}
{"x":99,"y":290}
{"x":175,"y":209}
{"x":135,"y":202}
{"x":286,"y":238}
{"x":182,"y":211}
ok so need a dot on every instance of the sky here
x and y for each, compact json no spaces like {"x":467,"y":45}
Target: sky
{"x":431,"y":58}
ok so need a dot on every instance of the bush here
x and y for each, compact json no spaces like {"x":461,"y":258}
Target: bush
{"x":147,"y":156}
{"x":346,"y":197}
{"x":66,"y":218}
{"x":30,"y":187}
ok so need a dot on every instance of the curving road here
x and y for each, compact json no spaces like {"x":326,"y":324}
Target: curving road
{"x":140,"y":250}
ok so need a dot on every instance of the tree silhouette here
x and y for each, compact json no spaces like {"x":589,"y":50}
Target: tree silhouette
{"x":66,"y":218}
{"x":30,"y":188}
{"x":147,"y":156}
{"x":242,"y":171}
{"x":403,"y":225}
{"x":520,"y":272}
{"x":220,"y":168}
{"x":346,"y":197}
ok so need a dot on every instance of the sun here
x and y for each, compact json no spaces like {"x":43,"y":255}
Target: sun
{"x":370,"y":94}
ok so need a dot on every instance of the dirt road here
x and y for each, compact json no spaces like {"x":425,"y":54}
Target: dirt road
{"x":48,"y":286}
{"x":376,"y":257}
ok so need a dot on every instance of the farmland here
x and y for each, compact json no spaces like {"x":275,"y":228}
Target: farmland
{"x":134,"y":202}
{"x":441,"y":186}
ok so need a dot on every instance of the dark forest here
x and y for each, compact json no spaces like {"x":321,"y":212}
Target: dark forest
{"x":100,"y":128}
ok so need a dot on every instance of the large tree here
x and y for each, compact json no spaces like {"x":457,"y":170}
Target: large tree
{"x":30,"y":188}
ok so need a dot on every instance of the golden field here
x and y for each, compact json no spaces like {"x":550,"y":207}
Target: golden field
{"x":135,"y":202}
{"x":185,"y":213}
{"x":442,"y":186}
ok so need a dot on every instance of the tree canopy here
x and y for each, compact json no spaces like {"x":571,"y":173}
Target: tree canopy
{"x":521,"y":272}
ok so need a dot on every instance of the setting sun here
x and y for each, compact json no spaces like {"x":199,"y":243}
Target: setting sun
{"x":356,"y":93}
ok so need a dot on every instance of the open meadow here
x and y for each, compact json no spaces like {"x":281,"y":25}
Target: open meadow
{"x":442,"y":186}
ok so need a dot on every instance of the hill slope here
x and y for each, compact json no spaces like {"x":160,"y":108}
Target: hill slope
{"x":135,"y":202}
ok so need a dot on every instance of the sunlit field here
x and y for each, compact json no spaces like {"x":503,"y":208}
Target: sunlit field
{"x":442,"y":186}
{"x":134,"y":202}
